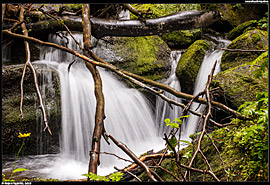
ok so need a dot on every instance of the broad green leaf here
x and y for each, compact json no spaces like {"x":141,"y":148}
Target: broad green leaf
{"x":167,"y":120}
{"x":186,"y":116}
{"x":191,"y":135}
{"x":178,"y":120}
{"x":185,"y":141}
{"x":19,"y":170}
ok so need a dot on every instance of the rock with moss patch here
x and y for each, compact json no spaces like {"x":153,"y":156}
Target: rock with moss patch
{"x":240,"y":29}
{"x":240,"y":83}
{"x":181,"y":39}
{"x":146,"y":56}
{"x":252,"y":40}
{"x":189,"y":65}
{"x":13,"y":123}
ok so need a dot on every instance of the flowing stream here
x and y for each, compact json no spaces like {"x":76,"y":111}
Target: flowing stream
{"x":129,"y":116}
{"x":201,"y":80}
{"x":163,"y":110}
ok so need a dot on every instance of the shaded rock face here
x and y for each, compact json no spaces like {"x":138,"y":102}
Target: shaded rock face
{"x":12,"y":123}
{"x":146,"y":56}
{"x":239,"y":83}
{"x":189,"y":64}
{"x":252,"y":40}
{"x":181,"y":39}
{"x":240,"y":29}
{"x":235,"y":14}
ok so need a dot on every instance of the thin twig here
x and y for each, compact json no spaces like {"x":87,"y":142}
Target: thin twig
{"x":28,"y":63}
{"x":166,"y":170}
{"x":128,"y":173}
{"x":133,"y":156}
{"x":241,"y":50}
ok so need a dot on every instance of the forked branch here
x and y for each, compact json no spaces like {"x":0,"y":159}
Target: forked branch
{"x":28,"y":63}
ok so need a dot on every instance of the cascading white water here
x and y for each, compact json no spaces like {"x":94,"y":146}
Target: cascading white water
{"x":201,"y":80}
{"x":163,"y":110}
{"x":128,"y":116}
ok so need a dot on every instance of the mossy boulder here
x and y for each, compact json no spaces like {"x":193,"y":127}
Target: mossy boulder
{"x":181,"y":39}
{"x":240,"y":29}
{"x":146,"y":56}
{"x":251,"y":40}
{"x":240,"y":83}
{"x":189,"y":64}
{"x":13,"y":123}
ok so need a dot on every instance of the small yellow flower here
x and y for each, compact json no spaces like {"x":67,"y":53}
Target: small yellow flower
{"x":24,"y":135}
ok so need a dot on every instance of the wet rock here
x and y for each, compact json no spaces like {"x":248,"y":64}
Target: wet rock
{"x":252,"y":40}
{"x":189,"y":65}
{"x":146,"y":56}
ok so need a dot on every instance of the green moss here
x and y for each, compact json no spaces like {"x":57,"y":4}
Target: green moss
{"x":240,"y":83}
{"x":189,"y":64}
{"x":252,"y":40}
{"x":240,"y":29}
{"x":146,"y":56}
{"x":159,"y":10}
{"x":181,"y":39}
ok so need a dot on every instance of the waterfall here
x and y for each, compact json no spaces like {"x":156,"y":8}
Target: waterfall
{"x":163,"y":110}
{"x":128,"y":115}
{"x":6,"y":53}
{"x":201,"y":80}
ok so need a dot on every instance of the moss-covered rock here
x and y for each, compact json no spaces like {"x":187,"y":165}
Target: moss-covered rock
{"x":189,"y":65}
{"x":159,"y":10}
{"x":13,"y":123}
{"x":251,"y":40}
{"x":239,"y":83}
{"x":240,"y":29}
{"x":146,"y":56}
{"x":181,"y":39}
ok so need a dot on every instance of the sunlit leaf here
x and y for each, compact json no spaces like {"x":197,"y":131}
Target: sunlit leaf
{"x":19,"y":170}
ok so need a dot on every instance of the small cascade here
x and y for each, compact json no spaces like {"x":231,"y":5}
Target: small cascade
{"x":163,"y":110}
{"x":201,"y":80}
{"x":128,"y":115}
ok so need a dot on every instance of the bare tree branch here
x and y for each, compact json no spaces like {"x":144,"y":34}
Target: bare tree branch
{"x":28,"y":63}
{"x":204,"y":125}
{"x":241,"y":50}
{"x":99,"y":115}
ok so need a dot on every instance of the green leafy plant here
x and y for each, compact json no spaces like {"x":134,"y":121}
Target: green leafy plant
{"x":264,"y":21}
{"x":251,"y":138}
{"x":176,"y":122}
{"x":112,"y":177}
{"x":16,"y":170}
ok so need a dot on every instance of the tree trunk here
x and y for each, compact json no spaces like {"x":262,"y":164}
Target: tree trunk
{"x":99,"y":116}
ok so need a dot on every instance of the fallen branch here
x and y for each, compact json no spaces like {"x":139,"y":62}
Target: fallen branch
{"x":133,"y":157}
{"x":184,"y":20}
